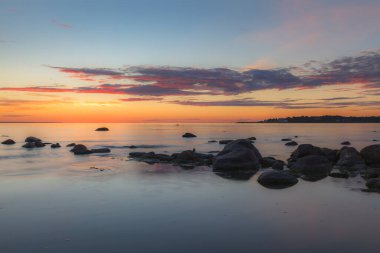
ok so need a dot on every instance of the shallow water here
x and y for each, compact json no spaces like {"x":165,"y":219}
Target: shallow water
{"x":52,"y":201}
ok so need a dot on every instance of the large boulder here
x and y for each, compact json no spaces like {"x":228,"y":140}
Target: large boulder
{"x":238,"y":155}
{"x":350,"y":160}
{"x":331,"y":154}
{"x":312,"y":166}
{"x":373,"y":184}
{"x":277,"y":179}
{"x":32,"y":139}
{"x":371,"y":155}
{"x":8,"y":142}
{"x":305,"y":150}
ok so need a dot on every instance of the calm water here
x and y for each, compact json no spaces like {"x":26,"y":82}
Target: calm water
{"x":52,"y":201}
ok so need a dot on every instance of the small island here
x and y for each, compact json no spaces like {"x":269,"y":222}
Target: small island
{"x":321,"y":119}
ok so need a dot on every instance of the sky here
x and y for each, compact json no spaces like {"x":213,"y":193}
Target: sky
{"x":187,"y":61}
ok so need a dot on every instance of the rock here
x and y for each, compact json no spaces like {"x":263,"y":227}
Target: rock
{"x":37,"y":144}
{"x":32,"y":139}
{"x":267,"y":162}
{"x":312,"y":166}
{"x":331,"y":154}
{"x":278,"y":165}
{"x":80,"y":149}
{"x":350,"y":160}
{"x":375,"y":140}
{"x":370,"y":173}
{"x":371,"y":155}
{"x":305,"y":150}
{"x":187,"y":158}
{"x":286,"y":139}
{"x":56,"y":145}
{"x":345,"y":143}
{"x":212,"y":141}
{"x":238,"y":155}
{"x":29,"y":145}
{"x":8,"y":142}
{"x":192,"y":157}
{"x":225,"y":141}
{"x":251,"y":138}
{"x":189,"y":135}
{"x":100,"y":150}
{"x":295,"y":136}
{"x":373,"y":183}
{"x":70,"y":145}
{"x":277,"y":179}
{"x":291,"y":143}
{"x":338,"y":174}
{"x":102,"y":129}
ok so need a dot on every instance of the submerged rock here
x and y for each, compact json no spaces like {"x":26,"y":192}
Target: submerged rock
{"x":8,"y":142}
{"x":238,"y":155}
{"x":102,"y":129}
{"x":225,"y":141}
{"x":56,"y":145}
{"x":189,"y":135}
{"x":345,"y":143}
{"x":373,"y":184}
{"x":212,"y":141}
{"x":80,"y":149}
{"x":277,"y":179}
{"x":100,"y":150}
{"x":371,"y":155}
{"x":70,"y":145}
{"x":37,"y":144}
{"x":286,"y":139}
{"x":32,"y":139}
{"x":291,"y":143}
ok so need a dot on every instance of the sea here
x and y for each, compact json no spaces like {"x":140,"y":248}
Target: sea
{"x":54,"y":201}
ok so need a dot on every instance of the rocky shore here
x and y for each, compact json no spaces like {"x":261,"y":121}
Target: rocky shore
{"x":240,"y":159}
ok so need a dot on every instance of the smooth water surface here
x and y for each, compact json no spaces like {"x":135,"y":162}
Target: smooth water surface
{"x":53,"y":201}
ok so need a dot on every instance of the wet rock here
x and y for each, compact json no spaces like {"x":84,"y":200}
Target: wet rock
{"x":370,"y":173}
{"x":305,"y":150}
{"x":225,"y":141}
{"x":350,"y":160}
{"x":102,"y":129}
{"x":278,"y":165}
{"x":331,"y":154}
{"x":375,"y":140}
{"x":212,"y":141}
{"x":371,"y":155}
{"x":295,"y":136}
{"x":286,"y":139}
{"x":345,"y":143}
{"x":291,"y":143}
{"x":312,"y":166}
{"x":70,"y":145}
{"x":189,"y":135}
{"x":251,"y":138}
{"x":56,"y":145}
{"x":267,"y":162}
{"x":32,"y":139}
{"x":192,"y":157}
{"x":373,"y":183}
{"x":80,"y":149}
{"x":187,"y":158}
{"x":338,"y":174}
{"x":37,"y":144}
{"x":100,"y":150}
{"x":238,"y":155}
{"x":8,"y":142}
{"x":277,"y":179}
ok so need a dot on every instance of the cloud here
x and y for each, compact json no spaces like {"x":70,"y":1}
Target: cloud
{"x":162,"y":81}
{"x":340,"y":98}
{"x":140,"y":99}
